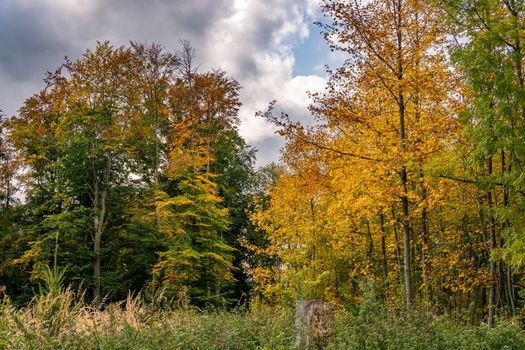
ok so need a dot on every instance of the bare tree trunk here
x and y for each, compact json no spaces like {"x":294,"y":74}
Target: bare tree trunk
{"x":383,"y":253}
{"x":369,"y":254}
{"x":424,"y":234}
{"x":398,"y":251}
{"x":403,"y":171}
{"x":406,"y":243}
{"x":492,"y":233}
{"x":509,"y":289}
{"x":99,"y":223}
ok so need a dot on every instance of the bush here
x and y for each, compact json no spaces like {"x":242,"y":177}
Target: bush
{"x":381,"y":328}
{"x":59,"y":322}
{"x":53,"y":322}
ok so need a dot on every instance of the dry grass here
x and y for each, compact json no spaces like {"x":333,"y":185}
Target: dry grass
{"x":63,"y":321}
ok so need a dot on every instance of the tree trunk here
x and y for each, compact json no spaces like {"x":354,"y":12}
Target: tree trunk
{"x":492,"y":233}
{"x":424,"y":234}
{"x":314,"y":323}
{"x":383,"y":253}
{"x":99,"y":221}
{"x":406,"y":240}
{"x":508,"y":287}
{"x":403,"y":170}
{"x":398,"y":252}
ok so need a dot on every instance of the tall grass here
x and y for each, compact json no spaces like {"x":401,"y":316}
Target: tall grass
{"x":59,"y":323}
{"x":62,"y":321}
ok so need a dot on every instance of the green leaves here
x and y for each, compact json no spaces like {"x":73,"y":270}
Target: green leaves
{"x":491,"y":60}
{"x":118,"y":151}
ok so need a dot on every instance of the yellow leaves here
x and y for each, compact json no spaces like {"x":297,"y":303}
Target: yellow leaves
{"x":29,"y":255}
{"x":36,"y":257}
{"x":342,"y":197}
{"x":34,"y":158}
{"x":174,"y":201}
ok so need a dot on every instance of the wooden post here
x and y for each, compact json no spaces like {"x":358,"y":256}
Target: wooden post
{"x":314,"y":322}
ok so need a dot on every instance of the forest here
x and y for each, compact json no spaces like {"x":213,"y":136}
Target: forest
{"x":127,"y":191}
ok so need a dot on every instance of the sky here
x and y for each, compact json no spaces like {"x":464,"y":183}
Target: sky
{"x":271,"y":47}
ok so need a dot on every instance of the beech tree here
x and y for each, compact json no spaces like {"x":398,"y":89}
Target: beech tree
{"x":8,"y":167}
{"x":85,"y":102}
{"x":190,"y":208}
{"x":389,"y":110}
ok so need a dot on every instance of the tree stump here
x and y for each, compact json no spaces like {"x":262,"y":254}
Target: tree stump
{"x":313,"y":320}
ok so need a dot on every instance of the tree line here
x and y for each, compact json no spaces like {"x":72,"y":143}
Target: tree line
{"x":409,"y":187}
{"x":129,"y":164}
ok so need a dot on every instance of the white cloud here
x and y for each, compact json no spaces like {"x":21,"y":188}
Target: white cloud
{"x":255,"y":45}
{"x":251,"y":39}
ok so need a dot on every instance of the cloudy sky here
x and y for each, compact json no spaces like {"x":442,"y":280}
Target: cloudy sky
{"x":270,"y":46}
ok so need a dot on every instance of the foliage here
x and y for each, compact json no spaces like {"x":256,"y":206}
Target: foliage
{"x":127,"y":155}
{"x":391,"y":328}
{"x":408,"y":182}
{"x":135,"y":325}
{"x":358,"y":199}
{"x":491,"y":62}
{"x":132,"y":324}
{"x":408,"y":186}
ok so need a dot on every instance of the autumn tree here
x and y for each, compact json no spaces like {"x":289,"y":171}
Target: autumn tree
{"x":83,"y":137}
{"x":8,"y":167}
{"x":136,"y":144}
{"x":10,"y":212}
{"x":84,"y":103}
{"x":205,"y":158}
{"x":386,"y":115}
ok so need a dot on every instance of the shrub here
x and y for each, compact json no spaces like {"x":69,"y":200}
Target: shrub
{"x":62,"y":321}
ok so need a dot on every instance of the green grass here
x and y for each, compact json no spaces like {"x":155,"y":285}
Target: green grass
{"x":59,"y":321}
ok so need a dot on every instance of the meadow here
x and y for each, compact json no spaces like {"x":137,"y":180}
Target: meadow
{"x":62,"y":321}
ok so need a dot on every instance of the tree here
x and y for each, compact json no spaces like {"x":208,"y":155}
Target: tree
{"x":87,"y":133}
{"x":388,"y":110}
{"x":8,"y":167}
{"x":85,"y":99}
{"x":208,"y":166}
{"x":10,"y":213}
{"x":491,"y":60}
{"x":135,"y":143}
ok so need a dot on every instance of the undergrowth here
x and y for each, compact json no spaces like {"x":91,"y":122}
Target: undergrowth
{"x":60,"y":320}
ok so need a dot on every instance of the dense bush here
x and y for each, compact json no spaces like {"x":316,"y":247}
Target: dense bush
{"x":374,"y":327}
